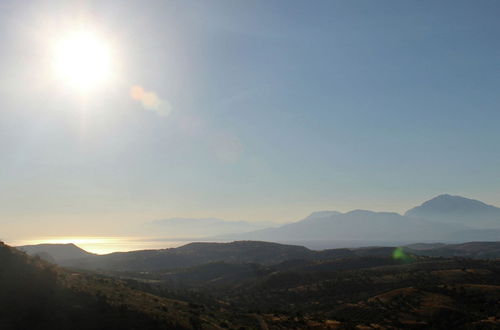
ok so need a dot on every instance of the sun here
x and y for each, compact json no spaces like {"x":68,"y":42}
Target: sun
{"x":82,"y":60}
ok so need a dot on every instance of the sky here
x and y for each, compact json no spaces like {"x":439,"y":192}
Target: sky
{"x":256,"y":111}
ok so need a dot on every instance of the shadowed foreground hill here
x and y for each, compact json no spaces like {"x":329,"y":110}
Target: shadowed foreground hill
{"x":37,"y":295}
{"x":382,"y":288}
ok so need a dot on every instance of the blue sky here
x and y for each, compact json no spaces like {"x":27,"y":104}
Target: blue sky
{"x":278,"y":109}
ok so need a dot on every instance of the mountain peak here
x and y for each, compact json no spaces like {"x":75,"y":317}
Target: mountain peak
{"x":458,"y":209}
{"x":360,"y":212}
{"x":322,"y":214}
{"x":446,"y":202}
{"x":448,"y":197}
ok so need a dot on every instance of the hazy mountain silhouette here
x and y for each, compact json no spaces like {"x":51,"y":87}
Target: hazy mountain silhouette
{"x":443,"y":218}
{"x":458,"y":210}
{"x":198,"y":227}
{"x":358,"y":225}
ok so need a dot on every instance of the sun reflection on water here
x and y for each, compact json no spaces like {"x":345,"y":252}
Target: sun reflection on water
{"x":104,"y":245}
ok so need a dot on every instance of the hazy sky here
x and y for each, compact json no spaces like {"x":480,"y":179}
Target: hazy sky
{"x":269,"y":110}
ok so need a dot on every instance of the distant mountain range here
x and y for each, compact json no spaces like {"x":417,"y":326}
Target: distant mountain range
{"x":200,"y":227}
{"x":443,"y":218}
{"x":358,"y":225}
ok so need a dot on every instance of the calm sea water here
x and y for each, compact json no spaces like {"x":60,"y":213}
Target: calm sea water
{"x":103,"y":245}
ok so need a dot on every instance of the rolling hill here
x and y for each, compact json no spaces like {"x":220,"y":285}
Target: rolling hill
{"x":193,"y":254}
{"x":263,"y":253}
{"x":476,"y":250}
{"x":58,"y":252}
{"x":355,"y":292}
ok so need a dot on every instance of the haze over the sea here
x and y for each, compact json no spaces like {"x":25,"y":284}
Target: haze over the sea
{"x":104,"y":245}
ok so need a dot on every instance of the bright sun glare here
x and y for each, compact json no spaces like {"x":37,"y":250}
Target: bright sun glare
{"x":82,"y":60}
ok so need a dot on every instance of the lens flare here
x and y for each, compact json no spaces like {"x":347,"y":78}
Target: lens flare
{"x":400,"y":254}
{"x":150,"y":100}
